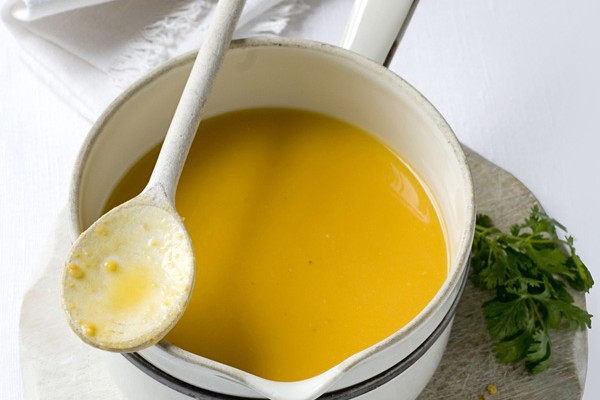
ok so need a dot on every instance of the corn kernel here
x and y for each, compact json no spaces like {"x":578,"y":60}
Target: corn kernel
{"x":75,"y":271}
{"x":491,"y":389}
{"x":111,"y":265}
{"x":88,"y":329}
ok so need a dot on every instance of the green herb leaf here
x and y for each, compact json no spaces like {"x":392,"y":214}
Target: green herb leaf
{"x":529,"y":269}
{"x":539,"y":351}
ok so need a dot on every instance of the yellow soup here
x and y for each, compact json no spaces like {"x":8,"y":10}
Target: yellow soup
{"x":313,"y":241}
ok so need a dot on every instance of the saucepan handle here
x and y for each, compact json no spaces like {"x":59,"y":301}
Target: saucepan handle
{"x":375,"y":27}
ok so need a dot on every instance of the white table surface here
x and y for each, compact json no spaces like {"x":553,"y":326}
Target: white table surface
{"x":516,"y":79}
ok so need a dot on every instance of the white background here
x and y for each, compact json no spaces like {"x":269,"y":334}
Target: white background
{"x":516,"y":79}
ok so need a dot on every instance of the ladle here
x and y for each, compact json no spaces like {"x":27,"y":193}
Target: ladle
{"x":129,"y":276}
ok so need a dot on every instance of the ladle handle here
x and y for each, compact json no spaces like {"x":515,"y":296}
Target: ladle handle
{"x":186,"y":120}
{"x":375,"y":27}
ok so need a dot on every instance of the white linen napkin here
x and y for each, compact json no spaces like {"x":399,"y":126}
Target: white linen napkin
{"x":88,"y":51}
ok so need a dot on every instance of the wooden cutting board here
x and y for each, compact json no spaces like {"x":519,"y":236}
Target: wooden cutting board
{"x":468,"y":365}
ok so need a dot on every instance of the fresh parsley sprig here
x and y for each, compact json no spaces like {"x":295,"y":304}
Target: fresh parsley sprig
{"x":529,"y":269}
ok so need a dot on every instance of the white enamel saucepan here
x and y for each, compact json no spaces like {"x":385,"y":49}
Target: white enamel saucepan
{"x":346,"y":83}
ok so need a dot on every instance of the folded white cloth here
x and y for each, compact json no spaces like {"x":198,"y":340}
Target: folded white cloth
{"x":89,"y":50}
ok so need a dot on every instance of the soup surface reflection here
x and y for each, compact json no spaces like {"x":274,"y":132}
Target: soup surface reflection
{"x":312,"y":239}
